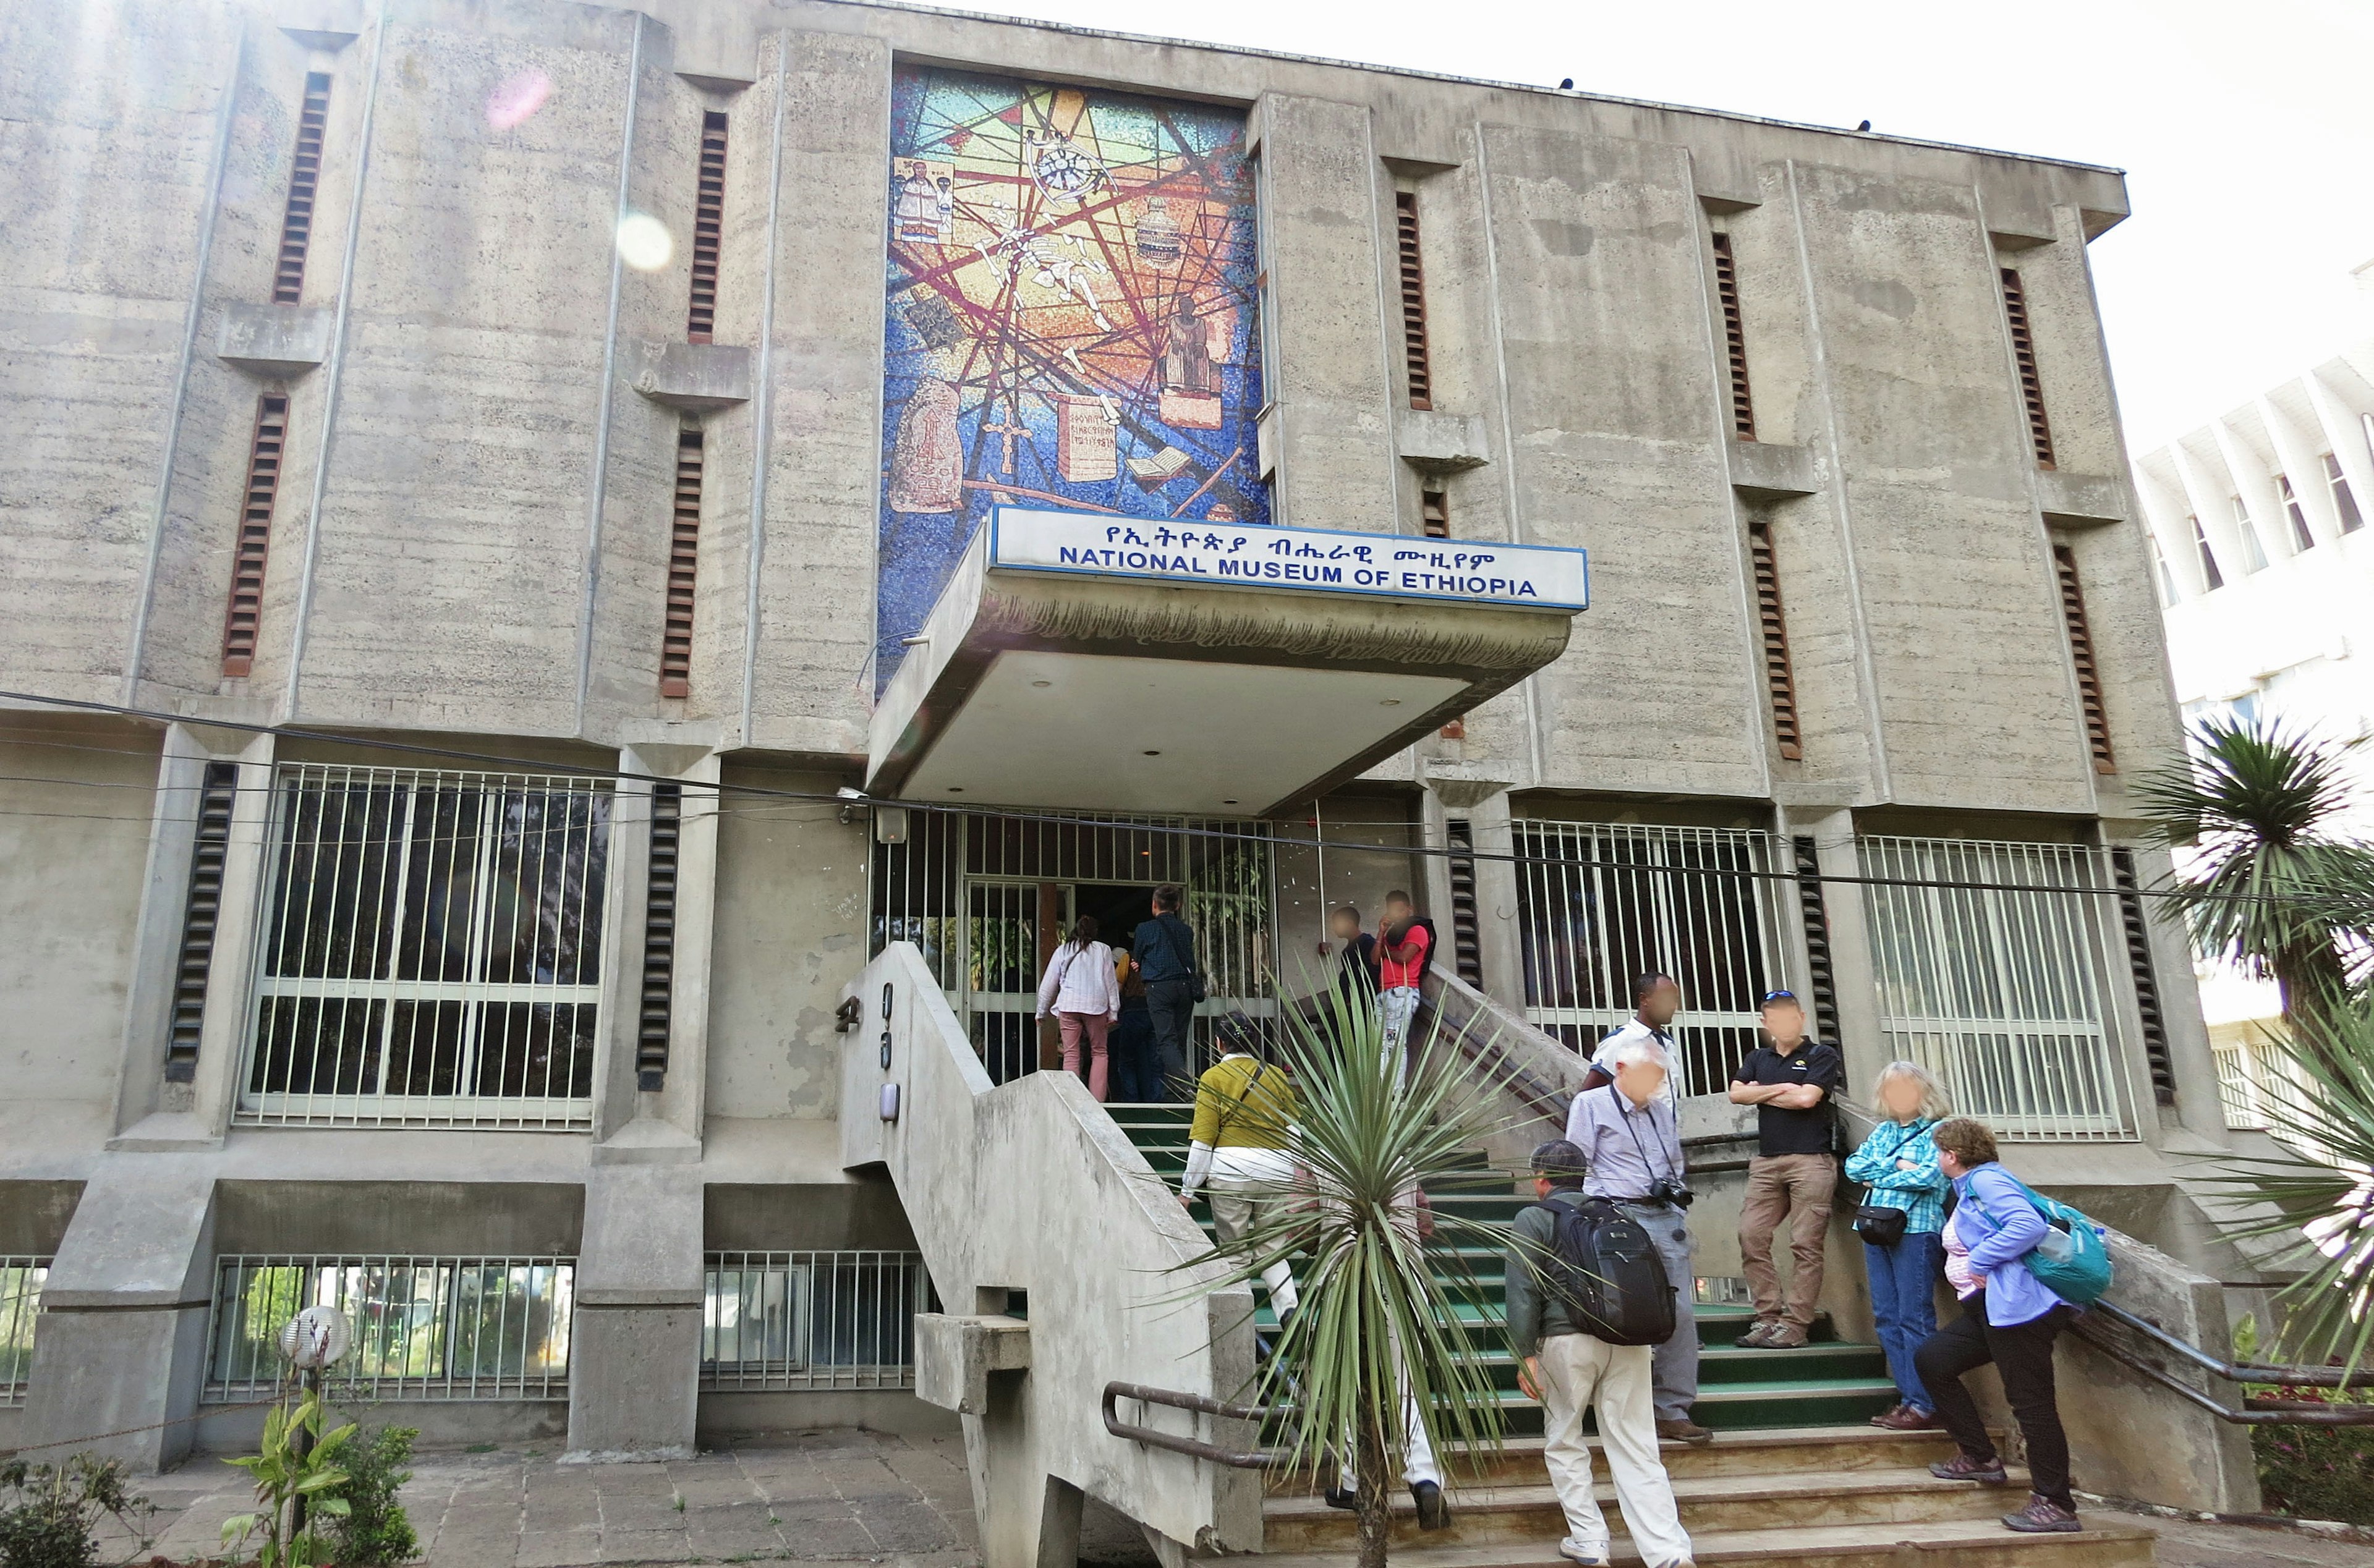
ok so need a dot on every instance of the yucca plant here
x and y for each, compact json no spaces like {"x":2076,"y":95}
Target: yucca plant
{"x":2277,"y":887}
{"x":1376,"y":1316}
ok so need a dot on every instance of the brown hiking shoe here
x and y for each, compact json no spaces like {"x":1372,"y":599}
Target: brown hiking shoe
{"x":1904,"y":1418}
{"x":1884,"y":1417}
{"x":1684,"y":1431}
{"x":1969,"y":1467}
{"x":2042,"y":1516}
{"x":1785,"y":1337}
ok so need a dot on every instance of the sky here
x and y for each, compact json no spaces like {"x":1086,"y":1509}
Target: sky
{"x":2243,"y":127}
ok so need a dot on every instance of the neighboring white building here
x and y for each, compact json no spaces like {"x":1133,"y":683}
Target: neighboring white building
{"x":2259,"y":522}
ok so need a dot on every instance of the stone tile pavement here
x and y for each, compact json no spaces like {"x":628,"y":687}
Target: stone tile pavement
{"x":830,"y":1496}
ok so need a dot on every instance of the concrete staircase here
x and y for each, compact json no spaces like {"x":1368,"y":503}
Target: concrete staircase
{"x":1795,"y":1474}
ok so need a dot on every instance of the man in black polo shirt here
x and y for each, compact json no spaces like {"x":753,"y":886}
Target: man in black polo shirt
{"x":1788,"y":1079}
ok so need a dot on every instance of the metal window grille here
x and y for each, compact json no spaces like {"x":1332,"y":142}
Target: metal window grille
{"x":424,"y":1327}
{"x":1780,"y":675}
{"x":684,"y":560}
{"x":1601,"y":903}
{"x":2345,"y":501}
{"x":985,"y":898}
{"x":708,"y":227}
{"x":244,"y":614}
{"x":659,"y":939}
{"x":2301,"y":538}
{"x":201,"y":911}
{"x":2000,"y":993}
{"x":2136,"y":929}
{"x":304,"y":180}
{"x":792,"y":1321}
{"x":1412,"y":280}
{"x":2081,"y":657}
{"x":2031,"y":385}
{"x":1735,"y":338}
{"x":1466,"y":940}
{"x":2209,"y":572}
{"x":20,"y":1302}
{"x":431,"y":949}
{"x":1434,"y":513}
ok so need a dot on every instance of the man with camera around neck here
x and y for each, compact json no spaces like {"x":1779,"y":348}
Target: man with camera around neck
{"x":1632,"y":1144}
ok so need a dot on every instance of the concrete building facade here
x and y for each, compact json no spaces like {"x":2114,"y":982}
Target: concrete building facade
{"x":456,"y":457}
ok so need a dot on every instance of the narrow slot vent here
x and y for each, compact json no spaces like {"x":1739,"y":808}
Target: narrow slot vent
{"x":684,"y":558}
{"x":1821,"y":978}
{"x":659,"y":939}
{"x":708,"y":227}
{"x":304,"y":182}
{"x":1466,"y":941}
{"x":1735,"y":337}
{"x":2139,"y":962}
{"x":252,"y":546}
{"x":2031,"y":386}
{"x":2081,"y":655}
{"x":1413,"y":349}
{"x":1434,"y":512}
{"x":201,"y":913}
{"x":1780,"y":679}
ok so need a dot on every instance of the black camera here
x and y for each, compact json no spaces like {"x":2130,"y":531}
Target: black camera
{"x":1671,"y":1193}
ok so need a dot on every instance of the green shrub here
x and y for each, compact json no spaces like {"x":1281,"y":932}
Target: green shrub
{"x":2317,"y":1472}
{"x":374,"y":1532}
{"x":51,"y":1513}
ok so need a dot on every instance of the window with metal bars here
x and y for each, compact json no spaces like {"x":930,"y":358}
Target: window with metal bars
{"x":20,"y":1302}
{"x":811,"y":1319}
{"x":1412,"y":278}
{"x":2081,"y":655}
{"x":1735,"y":338}
{"x":2345,"y":503}
{"x":659,"y":939}
{"x":304,"y":182}
{"x":2031,"y":385}
{"x":201,"y":912}
{"x":2301,"y":538}
{"x":1434,"y":513}
{"x":249,"y":549}
{"x":1780,"y":678}
{"x":1466,"y":940}
{"x":684,"y":558}
{"x":424,"y":1327}
{"x":431,"y":949}
{"x":708,"y":227}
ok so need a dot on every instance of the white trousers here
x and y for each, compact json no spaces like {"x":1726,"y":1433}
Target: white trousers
{"x":1418,"y":1453}
{"x":1579,"y":1372}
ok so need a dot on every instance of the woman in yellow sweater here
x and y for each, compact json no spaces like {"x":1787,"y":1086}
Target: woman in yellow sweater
{"x":1241,"y":1145}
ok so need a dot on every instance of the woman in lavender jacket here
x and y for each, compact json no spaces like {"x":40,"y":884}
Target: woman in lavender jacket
{"x":2009,"y":1318}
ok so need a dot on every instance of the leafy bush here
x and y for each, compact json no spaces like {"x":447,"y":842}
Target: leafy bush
{"x":2317,"y":1472}
{"x":53,"y":1511}
{"x":374,"y":1532}
{"x":288,"y":1470}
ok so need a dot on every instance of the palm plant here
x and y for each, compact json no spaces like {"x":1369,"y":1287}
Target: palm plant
{"x":2276,"y":887}
{"x":1376,"y":1318}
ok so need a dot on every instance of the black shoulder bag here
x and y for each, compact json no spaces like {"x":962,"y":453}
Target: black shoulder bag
{"x":1878,"y":1223}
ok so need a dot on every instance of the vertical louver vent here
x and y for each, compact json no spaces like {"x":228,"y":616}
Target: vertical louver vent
{"x":659,"y":939}
{"x":304,"y":180}
{"x":1466,"y":943}
{"x":708,"y":227}
{"x":201,"y":911}
{"x":2031,"y":387}
{"x":253,"y":543}
{"x":2139,"y":962}
{"x":1779,"y":678}
{"x":1821,"y":978}
{"x":1434,"y":512}
{"x":1735,"y":338}
{"x":2081,"y":655}
{"x":1421,"y":375}
{"x":683,"y":557}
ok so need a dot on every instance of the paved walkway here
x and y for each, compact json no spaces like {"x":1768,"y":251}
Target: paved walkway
{"x":831,"y":1496}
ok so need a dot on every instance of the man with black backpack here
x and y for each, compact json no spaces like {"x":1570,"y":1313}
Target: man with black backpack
{"x":1578,"y":1269}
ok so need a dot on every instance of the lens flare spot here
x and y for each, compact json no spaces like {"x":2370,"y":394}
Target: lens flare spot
{"x":644,"y":242}
{"x":518,"y":99}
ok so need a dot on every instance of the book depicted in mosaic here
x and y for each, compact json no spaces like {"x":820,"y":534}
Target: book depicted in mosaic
{"x":1070,"y":319}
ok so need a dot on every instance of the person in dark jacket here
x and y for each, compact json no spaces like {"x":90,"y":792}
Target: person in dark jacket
{"x":1570,"y":1373}
{"x":1164,"y":948}
{"x":1135,"y":1080}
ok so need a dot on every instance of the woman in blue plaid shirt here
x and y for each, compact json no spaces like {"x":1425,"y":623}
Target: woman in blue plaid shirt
{"x":1899,"y":1161}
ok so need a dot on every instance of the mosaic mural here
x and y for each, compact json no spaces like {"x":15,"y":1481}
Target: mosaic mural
{"x":1071,"y":296}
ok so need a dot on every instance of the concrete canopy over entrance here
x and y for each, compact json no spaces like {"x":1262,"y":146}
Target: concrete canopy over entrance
{"x":1203,"y":680}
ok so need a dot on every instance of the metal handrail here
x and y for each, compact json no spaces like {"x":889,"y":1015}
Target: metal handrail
{"x":2256,"y":1410}
{"x":1253,"y":1460}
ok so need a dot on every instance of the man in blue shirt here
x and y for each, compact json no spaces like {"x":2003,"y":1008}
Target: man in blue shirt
{"x":1165,"y":949}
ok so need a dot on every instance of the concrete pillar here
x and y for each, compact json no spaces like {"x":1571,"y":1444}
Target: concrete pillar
{"x":120,"y":1347}
{"x":1853,"y":973}
{"x":634,"y":1360}
{"x":1500,"y":932}
{"x":151,"y":1114}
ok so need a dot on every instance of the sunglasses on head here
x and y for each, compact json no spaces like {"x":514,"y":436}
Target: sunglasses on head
{"x":1772,"y":997}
